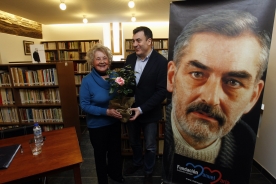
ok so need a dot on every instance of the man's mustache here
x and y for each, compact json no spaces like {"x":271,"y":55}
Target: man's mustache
{"x":211,"y":111}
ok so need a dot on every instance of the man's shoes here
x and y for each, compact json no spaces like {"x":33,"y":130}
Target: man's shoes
{"x":132,"y":170}
{"x":148,"y":179}
{"x":117,"y":179}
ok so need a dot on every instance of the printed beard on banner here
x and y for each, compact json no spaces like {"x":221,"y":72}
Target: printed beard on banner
{"x":187,"y":170}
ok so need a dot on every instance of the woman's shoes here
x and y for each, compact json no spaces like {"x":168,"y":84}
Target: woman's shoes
{"x":118,"y":179}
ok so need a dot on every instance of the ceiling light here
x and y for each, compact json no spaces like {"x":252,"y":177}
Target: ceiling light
{"x":131,"y":4}
{"x":62,"y":5}
{"x":133,"y":18}
{"x":84,"y":20}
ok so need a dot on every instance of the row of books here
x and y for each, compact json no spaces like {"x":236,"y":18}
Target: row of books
{"x":46,"y":128}
{"x":8,"y":115}
{"x":165,"y":53}
{"x":68,"y":45}
{"x":82,"y":67}
{"x":78,"y":79}
{"x":69,"y":55}
{"x":6,"y":97}
{"x":157,"y":44}
{"x":50,"y":115}
{"x":5,"y":80}
{"x":51,"y":56}
{"x":50,"y":46}
{"x":85,"y":46}
{"x":160,"y":44}
{"x":22,"y":76}
{"x":37,"y":96}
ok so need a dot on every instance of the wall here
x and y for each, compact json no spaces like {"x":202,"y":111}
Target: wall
{"x":72,"y":32}
{"x":10,"y":43}
{"x":265,"y":149}
{"x":11,"y":48}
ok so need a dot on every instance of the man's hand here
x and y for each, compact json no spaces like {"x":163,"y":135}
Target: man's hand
{"x":113,"y":113}
{"x":136,"y":113}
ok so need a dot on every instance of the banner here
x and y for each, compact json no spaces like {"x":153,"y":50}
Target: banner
{"x":218,"y":53}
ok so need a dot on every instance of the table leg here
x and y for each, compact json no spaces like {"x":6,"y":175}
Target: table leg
{"x":77,"y":174}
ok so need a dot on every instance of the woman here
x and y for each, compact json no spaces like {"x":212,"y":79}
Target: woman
{"x":103,"y":123}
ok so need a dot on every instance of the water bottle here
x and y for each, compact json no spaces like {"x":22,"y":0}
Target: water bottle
{"x":38,"y":138}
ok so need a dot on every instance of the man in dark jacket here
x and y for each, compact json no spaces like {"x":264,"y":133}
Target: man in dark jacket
{"x":150,"y":91}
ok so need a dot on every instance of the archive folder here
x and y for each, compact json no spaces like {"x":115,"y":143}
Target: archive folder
{"x":7,"y":154}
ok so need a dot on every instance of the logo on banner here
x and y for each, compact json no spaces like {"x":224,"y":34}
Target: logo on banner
{"x":198,"y":171}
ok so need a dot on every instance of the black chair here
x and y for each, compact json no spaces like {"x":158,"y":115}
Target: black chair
{"x":17,"y":131}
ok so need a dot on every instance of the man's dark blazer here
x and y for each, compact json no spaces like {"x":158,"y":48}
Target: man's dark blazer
{"x":151,"y":90}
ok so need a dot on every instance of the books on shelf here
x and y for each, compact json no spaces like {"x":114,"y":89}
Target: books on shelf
{"x":46,"y":115}
{"x":50,"y":46}
{"x":6,"y":97}
{"x":86,"y":45}
{"x":38,"y":96}
{"x":4,"y":78}
{"x":21,"y":76}
{"x":8,"y":115}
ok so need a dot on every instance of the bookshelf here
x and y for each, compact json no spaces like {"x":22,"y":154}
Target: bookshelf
{"x":159,"y":44}
{"x":43,"y":93}
{"x":67,"y":50}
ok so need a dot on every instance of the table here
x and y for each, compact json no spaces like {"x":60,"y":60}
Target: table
{"x":60,"y":152}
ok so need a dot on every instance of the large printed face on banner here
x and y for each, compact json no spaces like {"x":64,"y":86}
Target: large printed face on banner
{"x":215,"y":77}
{"x":213,"y":85}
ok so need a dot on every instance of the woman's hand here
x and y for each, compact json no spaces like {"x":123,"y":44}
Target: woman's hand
{"x":113,"y":113}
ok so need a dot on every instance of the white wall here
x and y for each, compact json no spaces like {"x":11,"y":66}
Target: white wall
{"x":11,"y":48}
{"x":58,"y":32}
{"x":265,"y":150}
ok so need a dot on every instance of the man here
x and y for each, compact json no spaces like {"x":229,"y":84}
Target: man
{"x":150,"y":91}
{"x":215,"y":78}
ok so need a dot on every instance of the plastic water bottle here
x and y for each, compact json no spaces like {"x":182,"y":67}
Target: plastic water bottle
{"x":38,"y":138}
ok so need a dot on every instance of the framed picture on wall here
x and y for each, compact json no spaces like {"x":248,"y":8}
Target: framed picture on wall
{"x":26,"y":45}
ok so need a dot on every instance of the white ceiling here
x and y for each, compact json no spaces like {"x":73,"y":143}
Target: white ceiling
{"x":96,"y":11}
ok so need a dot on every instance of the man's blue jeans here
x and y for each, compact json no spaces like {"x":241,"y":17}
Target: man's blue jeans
{"x":149,"y":134}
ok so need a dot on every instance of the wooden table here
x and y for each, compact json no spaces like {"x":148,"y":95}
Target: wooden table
{"x":60,"y":152}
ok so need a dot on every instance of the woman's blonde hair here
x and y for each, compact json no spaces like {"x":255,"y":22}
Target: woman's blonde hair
{"x":90,"y":55}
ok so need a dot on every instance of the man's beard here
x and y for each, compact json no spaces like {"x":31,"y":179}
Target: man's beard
{"x":201,"y":130}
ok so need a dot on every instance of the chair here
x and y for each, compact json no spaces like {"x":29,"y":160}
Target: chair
{"x":14,"y":132}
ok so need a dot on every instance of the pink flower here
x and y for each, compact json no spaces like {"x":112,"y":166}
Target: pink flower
{"x":120,"y":81}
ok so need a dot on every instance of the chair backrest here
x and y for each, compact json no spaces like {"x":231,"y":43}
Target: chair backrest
{"x":14,"y":132}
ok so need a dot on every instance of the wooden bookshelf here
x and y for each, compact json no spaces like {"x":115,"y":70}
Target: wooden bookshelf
{"x":43,"y":93}
{"x":67,"y":50}
{"x":159,"y":44}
